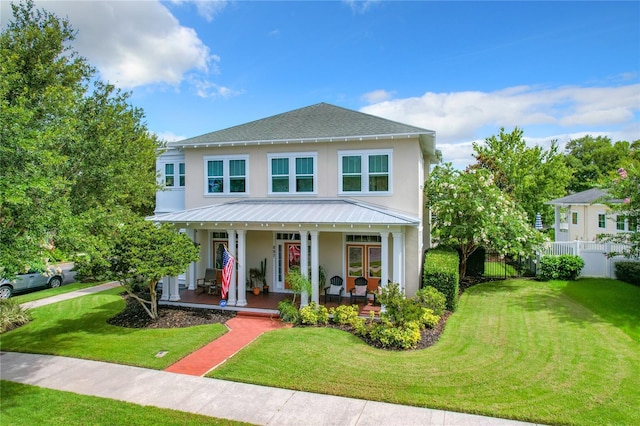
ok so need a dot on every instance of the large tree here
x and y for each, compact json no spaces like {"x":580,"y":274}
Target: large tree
{"x":470,"y":211}
{"x":68,"y":142}
{"x":593,"y":159}
{"x":531,"y":176}
{"x":144,"y":253}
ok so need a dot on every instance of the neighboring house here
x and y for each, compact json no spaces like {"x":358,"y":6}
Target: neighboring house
{"x":320,"y":186}
{"x":584,"y":215}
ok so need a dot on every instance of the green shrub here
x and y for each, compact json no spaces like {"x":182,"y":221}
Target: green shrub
{"x":628,"y":272}
{"x":429,"y":319}
{"x":386,"y":335}
{"x":400,"y":311}
{"x":430,"y":297}
{"x":12,"y":315}
{"x":288,"y":311}
{"x":314,"y":314}
{"x":344,"y":314}
{"x":563,"y":267}
{"x":441,"y":272}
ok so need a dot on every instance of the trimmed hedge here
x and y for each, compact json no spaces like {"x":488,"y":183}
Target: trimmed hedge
{"x":628,"y":272}
{"x":563,"y":267}
{"x":441,"y":272}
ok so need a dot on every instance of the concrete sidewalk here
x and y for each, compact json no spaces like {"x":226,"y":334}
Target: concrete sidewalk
{"x":229,"y":400}
{"x":70,"y":295}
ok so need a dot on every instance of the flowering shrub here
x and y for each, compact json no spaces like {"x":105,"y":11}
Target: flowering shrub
{"x":470,"y":211}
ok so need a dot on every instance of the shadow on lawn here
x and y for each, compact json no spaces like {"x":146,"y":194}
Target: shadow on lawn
{"x":536,"y":296}
{"x":65,"y":332}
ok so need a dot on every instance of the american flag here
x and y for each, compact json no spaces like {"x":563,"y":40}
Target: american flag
{"x":227,"y":269}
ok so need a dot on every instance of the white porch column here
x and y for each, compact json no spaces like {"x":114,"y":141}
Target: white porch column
{"x":175,"y":289}
{"x":315,"y":268}
{"x":384,"y":253}
{"x":556,"y":216}
{"x":398,"y":259}
{"x":304,"y":265}
{"x":242,"y":271}
{"x":165,"y":289}
{"x":231,"y":246}
{"x":191,"y":270}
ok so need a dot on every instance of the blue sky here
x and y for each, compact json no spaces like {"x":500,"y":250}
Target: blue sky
{"x":558,"y":70}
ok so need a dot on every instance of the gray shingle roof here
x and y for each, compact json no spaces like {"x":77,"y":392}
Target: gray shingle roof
{"x":328,"y":212}
{"x":590,"y":196}
{"x":316,"y":122}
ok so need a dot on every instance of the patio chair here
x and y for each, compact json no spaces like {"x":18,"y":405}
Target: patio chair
{"x":359,"y":290}
{"x":335,"y":289}
{"x":208,"y":281}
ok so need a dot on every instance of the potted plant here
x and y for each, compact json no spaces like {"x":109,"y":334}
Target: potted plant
{"x":258,"y":277}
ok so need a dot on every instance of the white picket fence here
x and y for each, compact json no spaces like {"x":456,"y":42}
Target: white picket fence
{"x":594,"y":254}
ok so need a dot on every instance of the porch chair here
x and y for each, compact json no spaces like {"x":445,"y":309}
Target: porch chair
{"x":208,"y":282}
{"x":359,"y":291}
{"x":335,"y":289}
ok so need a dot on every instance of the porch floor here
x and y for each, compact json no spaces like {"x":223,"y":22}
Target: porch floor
{"x":262,"y":304}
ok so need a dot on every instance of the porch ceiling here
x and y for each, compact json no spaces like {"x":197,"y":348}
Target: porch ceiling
{"x":324,"y":212}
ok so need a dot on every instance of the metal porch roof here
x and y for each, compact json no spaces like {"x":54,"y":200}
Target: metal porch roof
{"x":337,"y":212}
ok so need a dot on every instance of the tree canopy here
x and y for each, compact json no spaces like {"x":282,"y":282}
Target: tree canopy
{"x":592,"y":160}
{"x":531,"y":176}
{"x":471,"y":211}
{"x":69,"y":143}
{"x":144,"y":253}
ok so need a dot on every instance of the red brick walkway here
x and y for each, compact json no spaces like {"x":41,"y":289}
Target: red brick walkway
{"x":243,"y":329}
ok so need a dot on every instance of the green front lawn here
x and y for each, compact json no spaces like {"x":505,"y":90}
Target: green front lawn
{"x":32,"y":405}
{"x":78,"y":328}
{"x":517,"y":349}
{"x":41,"y":294}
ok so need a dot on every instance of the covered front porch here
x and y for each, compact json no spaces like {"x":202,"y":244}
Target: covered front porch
{"x":262,"y":304}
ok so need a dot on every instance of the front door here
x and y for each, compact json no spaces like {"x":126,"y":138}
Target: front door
{"x":364,"y":260}
{"x":291,"y":259}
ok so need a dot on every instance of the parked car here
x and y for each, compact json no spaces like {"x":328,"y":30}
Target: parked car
{"x":34,"y":279}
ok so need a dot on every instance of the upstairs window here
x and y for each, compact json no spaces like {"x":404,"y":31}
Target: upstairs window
{"x":170,"y":175}
{"x":292,"y":173}
{"x":365,"y":172}
{"x":226,"y":175}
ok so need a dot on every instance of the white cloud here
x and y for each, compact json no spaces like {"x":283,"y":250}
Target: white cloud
{"x":377,"y":96}
{"x":134,"y":43}
{"x":544,"y":114}
{"x":208,"y":89}
{"x":169,"y":136}
{"x":208,"y":9}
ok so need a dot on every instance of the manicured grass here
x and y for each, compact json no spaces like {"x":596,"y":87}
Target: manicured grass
{"x":78,"y":328}
{"x":517,"y":349}
{"x":614,"y":301}
{"x":41,"y":294}
{"x":32,"y":405}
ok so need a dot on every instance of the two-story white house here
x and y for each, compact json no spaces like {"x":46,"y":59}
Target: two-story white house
{"x":584,"y":215}
{"x":320,"y":186}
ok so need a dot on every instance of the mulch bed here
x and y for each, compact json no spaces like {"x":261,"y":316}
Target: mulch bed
{"x":134,"y":316}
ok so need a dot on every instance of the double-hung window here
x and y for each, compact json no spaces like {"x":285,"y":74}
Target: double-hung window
{"x":292,"y":173}
{"x":365,"y":172}
{"x":226,"y":175}
{"x":170,"y":175}
{"x":602,"y":220}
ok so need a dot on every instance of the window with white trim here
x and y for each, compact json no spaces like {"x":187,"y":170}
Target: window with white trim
{"x":170,"y":175}
{"x":292,"y":173}
{"x":226,"y":175}
{"x":621,"y":223}
{"x":574,"y":218}
{"x":602,"y":220}
{"x":365,"y":172}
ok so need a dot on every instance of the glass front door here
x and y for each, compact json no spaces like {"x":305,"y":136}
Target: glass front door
{"x":364,"y":260}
